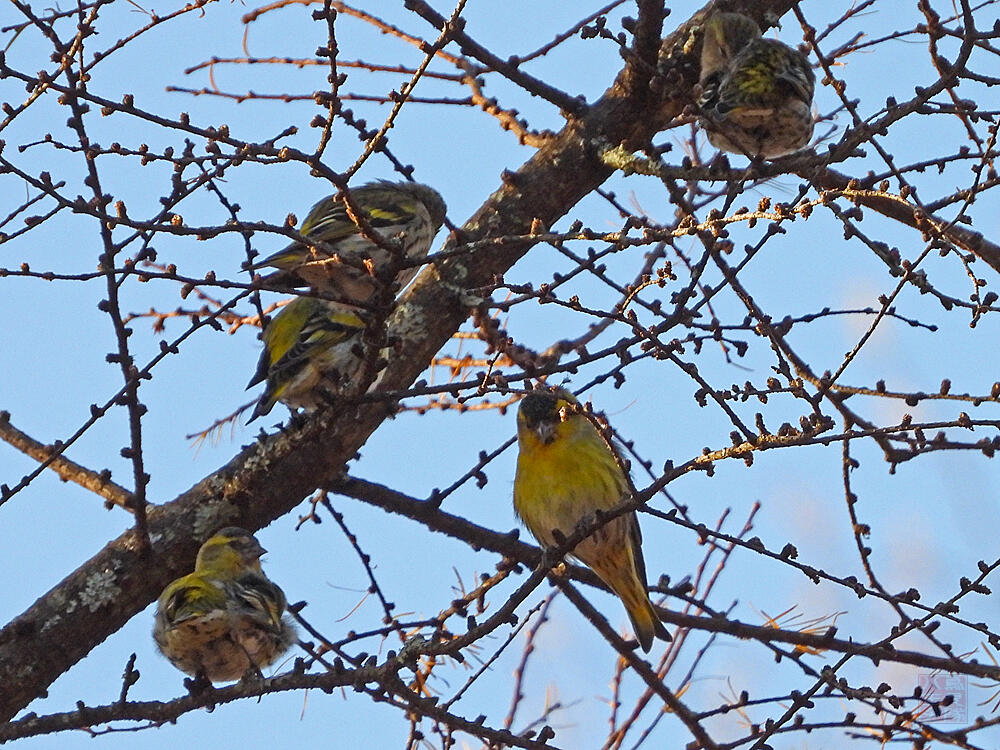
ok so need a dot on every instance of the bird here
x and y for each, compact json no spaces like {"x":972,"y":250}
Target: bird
{"x":312,"y":349}
{"x":566,"y":473}
{"x":757,"y":93}
{"x":345,"y":263}
{"x":226,"y":619}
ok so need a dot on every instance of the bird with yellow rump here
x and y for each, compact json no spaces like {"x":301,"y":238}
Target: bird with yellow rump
{"x":226,"y":619}
{"x":756,"y":93}
{"x":566,"y":474}
{"x":340,"y":260}
{"x":312,"y":350}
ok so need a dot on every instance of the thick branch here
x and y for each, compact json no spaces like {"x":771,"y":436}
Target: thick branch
{"x":271,"y":477}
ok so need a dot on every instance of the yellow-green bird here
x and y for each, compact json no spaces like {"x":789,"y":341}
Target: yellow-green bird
{"x":226,"y":619}
{"x":311,"y":347}
{"x":565,"y":473}
{"x":756,"y":93}
{"x":343,"y":262}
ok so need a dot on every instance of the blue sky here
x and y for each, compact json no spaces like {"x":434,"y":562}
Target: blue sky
{"x":927,"y":518}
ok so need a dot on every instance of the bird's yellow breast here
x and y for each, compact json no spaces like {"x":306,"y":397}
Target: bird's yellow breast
{"x":558,"y":484}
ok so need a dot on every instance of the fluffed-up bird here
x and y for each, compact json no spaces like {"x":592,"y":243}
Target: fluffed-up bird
{"x":344,"y":263}
{"x":226,"y":619}
{"x":566,"y":473}
{"x":756,"y":93}
{"x":312,"y":350}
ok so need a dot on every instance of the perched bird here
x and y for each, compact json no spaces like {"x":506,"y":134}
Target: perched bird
{"x":756,"y":93}
{"x":345,"y":263}
{"x":224,"y":620}
{"x":311,"y":348}
{"x":565,"y":474}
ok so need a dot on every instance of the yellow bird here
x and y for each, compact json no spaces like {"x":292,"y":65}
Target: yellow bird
{"x":756,"y":93}
{"x":225,"y":619}
{"x":346,"y":263}
{"x":312,"y":349}
{"x":565,"y":473}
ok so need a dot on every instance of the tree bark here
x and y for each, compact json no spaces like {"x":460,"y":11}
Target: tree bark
{"x":269,"y":478}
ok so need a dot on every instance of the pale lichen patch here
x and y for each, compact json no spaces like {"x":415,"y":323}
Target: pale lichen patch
{"x":409,"y":320}
{"x":99,"y":589}
{"x":51,"y":622}
{"x":58,"y":603}
{"x":211,"y":515}
{"x":158,"y":539}
{"x":259,"y":461}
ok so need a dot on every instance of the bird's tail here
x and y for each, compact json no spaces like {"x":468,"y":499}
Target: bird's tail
{"x":642,"y":615}
{"x":619,"y":573}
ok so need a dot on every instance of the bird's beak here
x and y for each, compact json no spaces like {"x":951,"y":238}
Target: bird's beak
{"x":546,"y":431}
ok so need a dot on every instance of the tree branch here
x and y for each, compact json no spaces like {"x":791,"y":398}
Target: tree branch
{"x":270,"y":477}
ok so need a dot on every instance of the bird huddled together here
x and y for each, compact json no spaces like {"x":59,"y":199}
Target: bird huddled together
{"x":226,"y":619}
{"x":313,"y":346}
{"x":757,"y":93}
